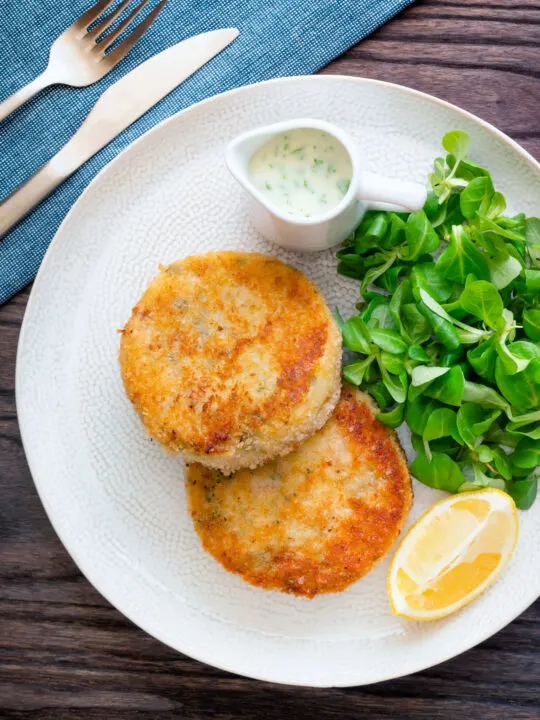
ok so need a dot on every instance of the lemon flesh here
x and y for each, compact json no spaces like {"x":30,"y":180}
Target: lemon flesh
{"x":452,"y":553}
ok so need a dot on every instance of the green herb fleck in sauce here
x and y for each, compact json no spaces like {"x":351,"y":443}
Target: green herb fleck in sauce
{"x":307,"y":174}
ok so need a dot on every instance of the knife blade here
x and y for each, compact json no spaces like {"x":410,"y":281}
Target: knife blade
{"x":117,"y":108}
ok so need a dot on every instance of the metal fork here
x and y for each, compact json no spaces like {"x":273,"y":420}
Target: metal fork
{"x":77,"y":56}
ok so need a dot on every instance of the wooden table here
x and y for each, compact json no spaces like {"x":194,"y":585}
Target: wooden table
{"x":65,"y":653}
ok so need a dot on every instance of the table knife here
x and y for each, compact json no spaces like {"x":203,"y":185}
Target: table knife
{"x":118,"y":107}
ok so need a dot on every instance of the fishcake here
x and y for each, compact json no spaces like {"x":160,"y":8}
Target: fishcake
{"x":316,"y":520}
{"x":231,"y":359}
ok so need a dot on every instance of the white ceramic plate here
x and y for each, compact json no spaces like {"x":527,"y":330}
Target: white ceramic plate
{"x":116,"y":499}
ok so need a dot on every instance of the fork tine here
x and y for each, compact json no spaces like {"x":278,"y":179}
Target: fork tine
{"x":125,"y":46}
{"x":107,"y":21}
{"x":90,"y":15}
{"x":107,"y":41}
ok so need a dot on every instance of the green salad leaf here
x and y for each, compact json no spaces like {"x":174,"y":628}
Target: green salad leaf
{"x":482,"y":299}
{"x":447,"y":335}
{"x":462,"y":257}
{"x":531,"y":324}
{"x":439,"y":471}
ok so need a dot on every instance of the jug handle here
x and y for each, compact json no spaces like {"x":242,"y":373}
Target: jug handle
{"x":382,"y":193}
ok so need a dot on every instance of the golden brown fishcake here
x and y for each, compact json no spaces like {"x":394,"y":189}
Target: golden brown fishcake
{"x":316,"y":520}
{"x":231,"y":358}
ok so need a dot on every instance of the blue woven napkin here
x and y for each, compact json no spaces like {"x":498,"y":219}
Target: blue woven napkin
{"x":277,"y":38}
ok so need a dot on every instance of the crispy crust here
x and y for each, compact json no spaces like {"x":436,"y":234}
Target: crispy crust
{"x":231,"y":358}
{"x":317,"y":520}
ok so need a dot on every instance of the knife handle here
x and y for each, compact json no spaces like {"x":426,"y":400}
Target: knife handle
{"x":33,"y":191}
{"x":78,"y":149}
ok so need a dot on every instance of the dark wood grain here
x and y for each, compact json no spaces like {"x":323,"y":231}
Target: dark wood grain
{"x":65,"y":653}
{"x":482,"y":56}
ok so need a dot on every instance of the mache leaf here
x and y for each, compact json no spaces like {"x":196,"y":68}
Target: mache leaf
{"x":356,"y":335}
{"x":423,"y":374}
{"x":417,"y":353}
{"x":503,"y":269}
{"x":427,"y":276}
{"x":456,"y":143}
{"x":421,"y":237}
{"x":449,"y":388}
{"x":481,"y":299}
{"x":441,"y":423}
{"x":483,"y":358}
{"x":527,"y":454}
{"x":393,"y":418}
{"x":392,"y":363}
{"x":414,"y":326}
{"x":417,"y":413}
{"x":522,"y":390}
{"x":441,"y":472}
{"x":388,"y":340}
{"x":524,"y":492}
{"x":473,"y":421}
{"x":484,"y":395}
{"x":531,"y":323}
{"x":462,"y":258}
{"x":356,"y":371}
{"x":476,"y":196}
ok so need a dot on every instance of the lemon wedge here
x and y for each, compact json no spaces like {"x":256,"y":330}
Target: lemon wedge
{"x":452,"y":553}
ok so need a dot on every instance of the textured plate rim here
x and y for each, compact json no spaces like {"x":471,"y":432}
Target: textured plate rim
{"x":92,"y":575}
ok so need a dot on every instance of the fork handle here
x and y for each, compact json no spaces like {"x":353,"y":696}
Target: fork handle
{"x":25,"y":93}
{"x":33,"y":191}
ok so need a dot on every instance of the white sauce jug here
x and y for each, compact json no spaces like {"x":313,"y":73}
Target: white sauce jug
{"x":277,"y":209}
